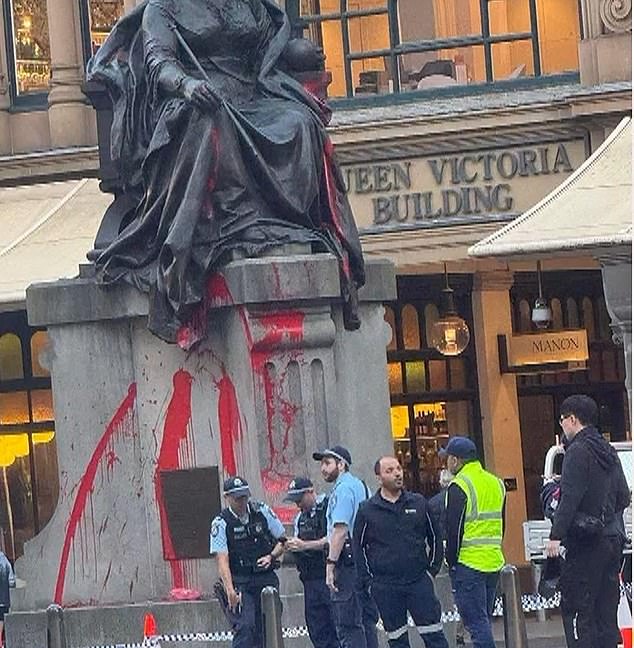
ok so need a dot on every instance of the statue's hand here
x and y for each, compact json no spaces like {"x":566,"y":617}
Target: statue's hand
{"x":201,"y":94}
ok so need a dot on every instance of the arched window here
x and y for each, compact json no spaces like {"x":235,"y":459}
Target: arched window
{"x":382,"y":46}
{"x":572,"y":313}
{"x":411,"y":330}
{"x":525,"y":316}
{"x":28,"y":49}
{"x":588,"y":318}
{"x":558,"y":317}
{"x":389,"y":318}
{"x":39,"y":342}
{"x":431,"y":317}
{"x":11,"y":364}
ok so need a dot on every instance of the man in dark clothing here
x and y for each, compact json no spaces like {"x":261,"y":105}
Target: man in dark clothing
{"x":594,"y":494}
{"x":437,"y":503}
{"x":310,"y":544}
{"x":397,"y":545}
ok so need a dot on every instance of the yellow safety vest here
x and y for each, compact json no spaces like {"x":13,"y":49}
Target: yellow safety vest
{"x":481,"y":546}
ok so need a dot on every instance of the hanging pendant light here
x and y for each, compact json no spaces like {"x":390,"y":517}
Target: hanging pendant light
{"x":450,"y":333}
{"x":541,"y":315}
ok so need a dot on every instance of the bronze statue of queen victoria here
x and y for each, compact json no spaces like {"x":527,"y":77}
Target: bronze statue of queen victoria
{"x":222,"y":149}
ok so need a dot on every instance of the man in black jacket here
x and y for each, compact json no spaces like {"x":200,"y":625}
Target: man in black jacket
{"x":398,"y":546}
{"x":588,"y":521}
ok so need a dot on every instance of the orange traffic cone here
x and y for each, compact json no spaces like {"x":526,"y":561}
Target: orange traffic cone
{"x":624,"y":616}
{"x":149,"y":626}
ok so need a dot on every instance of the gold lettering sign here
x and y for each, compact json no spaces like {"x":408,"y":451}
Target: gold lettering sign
{"x":548,"y":347}
{"x":425,"y":190}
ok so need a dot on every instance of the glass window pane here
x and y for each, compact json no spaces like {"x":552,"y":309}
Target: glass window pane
{"x":437,"y":375}
{"x":400,"y":421}
{"x":525,"y":316}
{"x":572,"y":313}
{"x":395,"y":377}
{"x":42,"y":405}
{"x":415,"y":376}
{"x":31,"y":45}
{"x":389,"y":318}
{"x":45,"y":460}
{"x":559,"y":35}
{"x":558,"y":317}
{"x":512,"y":60}
{"x":605,"y":332}
{"x":368,"y":33}
{"x":39,"y":342}
{"x":458,"y":370}
{"x":11,"y":367}
{"x":16,"y":511}
{"x":103,"y":16}
{"x":411,"y":331}
{"x":509,"y":16}
{"x":14,"y":408}
{"x":588,"y":318}
{"x":431,"y":317}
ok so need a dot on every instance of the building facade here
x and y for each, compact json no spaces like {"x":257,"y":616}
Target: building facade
{"x":451,"y":118}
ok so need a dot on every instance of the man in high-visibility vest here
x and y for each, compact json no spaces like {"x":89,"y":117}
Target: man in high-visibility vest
{"x":475,"y":526}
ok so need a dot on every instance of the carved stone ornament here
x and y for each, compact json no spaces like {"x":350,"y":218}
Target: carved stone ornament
{"x":616,"y":15}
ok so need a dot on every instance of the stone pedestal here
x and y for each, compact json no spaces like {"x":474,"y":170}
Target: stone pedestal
{"x":276,"y":378}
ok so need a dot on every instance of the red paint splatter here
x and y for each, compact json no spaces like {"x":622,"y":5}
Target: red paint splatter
{"x":175,"y":430}
{"x":120,"y":424}
{"x":229,"y":421}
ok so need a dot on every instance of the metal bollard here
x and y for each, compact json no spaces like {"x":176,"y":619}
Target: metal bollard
{"x":514,"y":624}
{"x":272,"y":618}
{"x":55,"y":635}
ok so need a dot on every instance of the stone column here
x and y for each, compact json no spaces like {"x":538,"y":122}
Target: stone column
{"x":605,"y":52}
{"x":5,"y":102}
{"x":498,"y":401}
{"x":67,"y":112}
{"x":616,"y":272}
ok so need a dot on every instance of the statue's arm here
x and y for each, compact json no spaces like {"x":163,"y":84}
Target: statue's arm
{"x":161,"y":50}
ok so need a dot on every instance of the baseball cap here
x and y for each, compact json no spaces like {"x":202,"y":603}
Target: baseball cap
{"x":236,"y":486}
{"x":460,"y":447}
{"x":297,"y":488}
{"x":336,"y":452}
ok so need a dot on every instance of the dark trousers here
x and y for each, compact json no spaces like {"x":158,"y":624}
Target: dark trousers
{"x":247,"y":622}
{"x":419,"y":598}
{"x":474,"y":593}
{"x":590,"y":593}
{"x":354,"y":611}
{"x":318,"y":613}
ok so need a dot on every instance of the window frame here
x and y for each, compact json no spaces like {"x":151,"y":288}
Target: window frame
{"x":25,"y":102}
{"x":397,"y":48}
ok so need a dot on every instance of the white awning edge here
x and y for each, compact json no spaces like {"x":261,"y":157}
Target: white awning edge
{"x":519,"y":237}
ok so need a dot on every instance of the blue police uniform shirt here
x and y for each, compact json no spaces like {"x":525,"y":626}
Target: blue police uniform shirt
{"x":319,"y":500}
{"x":343,"y":503}
{"x":218,"y":538}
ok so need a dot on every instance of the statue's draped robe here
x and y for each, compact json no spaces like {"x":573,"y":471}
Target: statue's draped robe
{"x":255,"y":173}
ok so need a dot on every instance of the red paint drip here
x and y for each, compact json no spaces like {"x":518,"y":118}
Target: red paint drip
{"x":86,"y":484}
{"x":175,"y":430}
{"x":229,"y":421}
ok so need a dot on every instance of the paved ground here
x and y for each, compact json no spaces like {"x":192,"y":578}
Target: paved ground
{"x":540,"y":635}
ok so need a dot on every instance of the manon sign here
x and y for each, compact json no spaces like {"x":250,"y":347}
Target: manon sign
{"x":458,"y":186}
{"x":557,"y":350}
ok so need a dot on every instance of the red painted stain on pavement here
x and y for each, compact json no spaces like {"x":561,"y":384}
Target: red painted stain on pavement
{"x":173,"y":445}
{"x":121,"y":425}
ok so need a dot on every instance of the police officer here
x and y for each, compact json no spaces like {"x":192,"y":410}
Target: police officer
{"x":355,"y":613}
{"x":247,"y":539}
{"x":391,"y":532}
{"x":475,"y":526}
{"x":310,"y":545}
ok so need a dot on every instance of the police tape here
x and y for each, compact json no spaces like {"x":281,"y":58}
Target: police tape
{"x":530,"y":603}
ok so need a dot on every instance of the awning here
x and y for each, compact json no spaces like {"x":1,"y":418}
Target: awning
{"x":591,"y":210}
{"x":45,"y":232}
